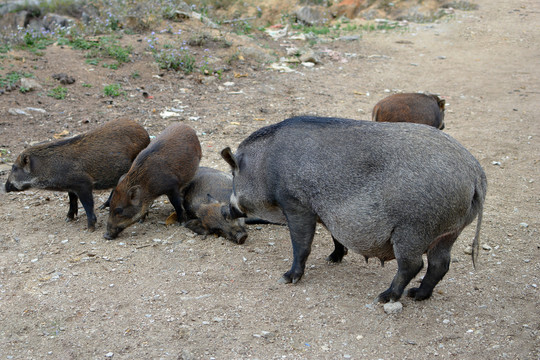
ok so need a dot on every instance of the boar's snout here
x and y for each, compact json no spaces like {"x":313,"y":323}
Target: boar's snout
{"x":112,"y":233}
{"x":9,"y":187}
{"x":241,"y":237}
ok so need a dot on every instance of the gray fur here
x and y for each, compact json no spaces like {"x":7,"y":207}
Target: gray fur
{"x":382,"y":190}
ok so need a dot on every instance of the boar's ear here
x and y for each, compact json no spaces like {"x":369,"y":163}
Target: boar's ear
{"x":440,"y":102}
{"x":211,"y":199}
{"x":134,"y":195}
{"x":26,"y":163}
{"x":228,"y":156}
{"x":121,"y":178}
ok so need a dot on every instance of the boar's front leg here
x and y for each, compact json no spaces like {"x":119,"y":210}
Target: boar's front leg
{"x":73,"y":206}
{"x":302,"y":224}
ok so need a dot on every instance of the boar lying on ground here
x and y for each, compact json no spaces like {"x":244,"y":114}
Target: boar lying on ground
{"x":382,"y":190}
{"x":165,"y":167}
{"x":94,"y":160}
{"x":206,"y":197}
{"x":411,"y":107}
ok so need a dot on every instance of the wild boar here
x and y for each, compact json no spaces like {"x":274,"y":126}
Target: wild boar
{"x":206,"y":197}
{"x":78,"y":165}
{"x":165,"y":167}
{"x":411,"y":107}
{"x":392,"y":191}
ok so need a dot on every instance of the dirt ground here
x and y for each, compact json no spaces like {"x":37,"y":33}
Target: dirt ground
{"x":164,"y":292}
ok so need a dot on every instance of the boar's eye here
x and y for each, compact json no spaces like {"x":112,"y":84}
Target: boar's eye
{"x":118,"y":211}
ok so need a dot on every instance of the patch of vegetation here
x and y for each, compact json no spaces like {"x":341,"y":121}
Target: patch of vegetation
{"x":58,"y":93}
{"x":92,"y":61}
{"x":461,"y":5}
{"x":172,"y":59}
{"x":35,"y":41}
{"x":12,"y":78}
{"x":87,"y":85}
{"x":113,"y":90}
{"x":4,"y":155}
{"x":4,"y":48}
{"x":135,"y":75}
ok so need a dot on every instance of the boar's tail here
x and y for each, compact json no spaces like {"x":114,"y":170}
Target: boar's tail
{"x":478,"y":207}
{"x":475,"y":244}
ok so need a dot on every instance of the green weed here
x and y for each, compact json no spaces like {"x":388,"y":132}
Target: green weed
{"x":58,"y":93}
{"x":113,"y":90}
{"x":12,"y":78}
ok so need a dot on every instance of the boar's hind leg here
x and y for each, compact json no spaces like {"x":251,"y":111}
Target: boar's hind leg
{"x":438,"y":263}
{"x":302,"y":224}
{"x":87,"y":201}
{"x":73,"y":206}
{"x":177,"y":201}
{"x":409,"y":259}
{"x":339,"y":252}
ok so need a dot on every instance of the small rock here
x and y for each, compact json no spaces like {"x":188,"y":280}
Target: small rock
{"x":14,"y":111}
{"x":349,"y":38}
{"x":524,"y":225}
{"x":30,"y":84}
{"x":487,"y":247}
{"x":310,"y":56}
{"x":468,"y":250}
{"x":393,"y":307}
{"x":109,"y":354}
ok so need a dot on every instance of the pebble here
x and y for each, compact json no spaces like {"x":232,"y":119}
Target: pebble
{"x":109,"y":354}
{"x":468,"y":250}
{"x":393,"y":307}
{"x":487,"y":247}
{"x":524,"y":225}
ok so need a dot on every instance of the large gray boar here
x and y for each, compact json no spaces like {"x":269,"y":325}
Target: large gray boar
{"x":91,"y":161}
{"x":382,"y":190}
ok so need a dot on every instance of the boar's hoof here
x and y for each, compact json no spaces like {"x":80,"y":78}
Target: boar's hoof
{"x":386,"y":296}
{"x":335,"y":257}
{"x":91,"y":228}
{"x":288,"y":278}
{"x":419,"y":294}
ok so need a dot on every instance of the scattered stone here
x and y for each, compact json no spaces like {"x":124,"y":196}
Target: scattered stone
{"x":30,"y":84}
{"x":310,"y":56}
{"x":393,"y":307}
{"x":523,"y":225}
{"x":487,"y":247}
{"x":349,"y":38}
{"x":312,"y":15}
{"x":276,"y":31}
{"x":14,"y":111}
{"x":468,"y":250}
{"x":110,"y":354}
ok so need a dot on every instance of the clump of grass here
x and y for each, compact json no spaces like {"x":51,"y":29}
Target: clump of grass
{"x":113,"y":90}
{"x":12,"y":78}
{"x":58,"y":93}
